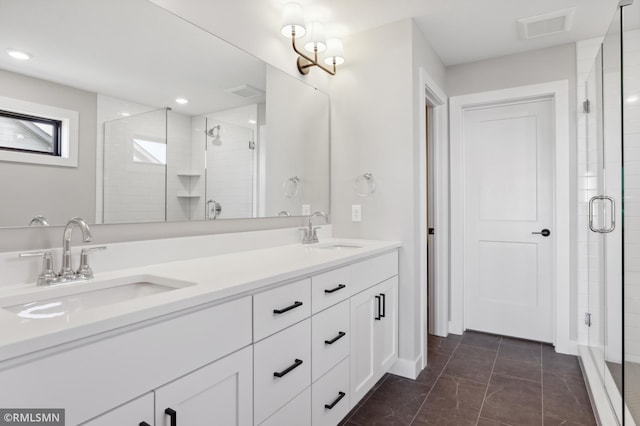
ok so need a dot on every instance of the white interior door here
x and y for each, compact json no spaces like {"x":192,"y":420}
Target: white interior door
{"x":509,"y":196}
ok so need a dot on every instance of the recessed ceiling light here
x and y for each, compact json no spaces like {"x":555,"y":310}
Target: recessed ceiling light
{"x":124,"y":114}
{"x":632,"y":99}
{"x":17,"y":54}
{"x":182,"y":101}
{"x":252,"y":121}
{"x":19,"y":136}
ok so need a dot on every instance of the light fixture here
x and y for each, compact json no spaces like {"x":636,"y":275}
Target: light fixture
{"x":253,"y":122}
{"x":632,"y":99}
{"x":17,"y":54}
{"x":293,"y":26}
{"x":182,"y":101}
{"x":124,"y":114}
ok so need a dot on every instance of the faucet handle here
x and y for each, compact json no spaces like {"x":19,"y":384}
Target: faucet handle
{"x":84,"y":269}
{"x":47,"y":274}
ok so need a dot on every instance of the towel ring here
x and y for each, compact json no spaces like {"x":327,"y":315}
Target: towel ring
{"x":291,"y":187}
{"x":365,"y":185}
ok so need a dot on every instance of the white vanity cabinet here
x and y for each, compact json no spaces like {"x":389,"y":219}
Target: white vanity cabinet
{"x":374,"y":340}
{"x":298,"y":353}
{"x":219,"y":393}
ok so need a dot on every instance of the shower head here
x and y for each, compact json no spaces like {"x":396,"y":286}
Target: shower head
{"x":214,"y":132}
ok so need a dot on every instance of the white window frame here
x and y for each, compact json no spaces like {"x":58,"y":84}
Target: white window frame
{"x":68,"y":138}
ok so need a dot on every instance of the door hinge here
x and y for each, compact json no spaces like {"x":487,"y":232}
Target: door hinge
{"x":252,"y":145}
{"x":587,"y":319}
{"x":586,"y":106}
{"x":432,"y":231}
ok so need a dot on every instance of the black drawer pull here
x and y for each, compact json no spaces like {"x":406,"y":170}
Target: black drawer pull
{"x":287,"y":309}
{"x":333,"y":404}
{"x":173,"y":415}
{"x":144,"y":424}
{"x":384,"y":305}
{"x":340,"y":335}
{"x":333,"y":290}
{"x":378,"y":316}
{"x":297,"y":363}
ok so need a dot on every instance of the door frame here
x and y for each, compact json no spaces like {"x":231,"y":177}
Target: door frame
{"x":430,"y":94}
{"x":558,"y":92}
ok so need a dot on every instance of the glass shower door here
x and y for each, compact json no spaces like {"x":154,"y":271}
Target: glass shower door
{"x":630,"y":106}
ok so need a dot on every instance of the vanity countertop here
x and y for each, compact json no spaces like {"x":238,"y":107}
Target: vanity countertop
{"x":208,"y":279}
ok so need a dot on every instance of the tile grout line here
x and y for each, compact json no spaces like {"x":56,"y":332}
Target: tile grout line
{"x":493,"y":367}
{"x":435,"y":382}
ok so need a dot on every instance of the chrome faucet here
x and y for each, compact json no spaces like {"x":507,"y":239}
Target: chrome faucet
{"x":310,"y":233}
{"x":39,"y":220}
{"x":67,"y":270}
{"x":67,"y":274}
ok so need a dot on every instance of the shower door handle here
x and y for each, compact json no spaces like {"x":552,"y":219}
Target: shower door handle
{"x":212,"y":213}
{"x":612,"y":204}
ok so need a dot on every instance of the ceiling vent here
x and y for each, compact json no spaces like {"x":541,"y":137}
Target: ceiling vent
{"x":245,"y":91}
{"x":546,"y":24}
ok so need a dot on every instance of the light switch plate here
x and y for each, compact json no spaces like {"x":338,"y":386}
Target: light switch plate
{"x":306,"y":209}
{"x":356,"y":213}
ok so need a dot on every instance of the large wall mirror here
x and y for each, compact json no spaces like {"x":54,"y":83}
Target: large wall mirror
{"x":120,"y":112}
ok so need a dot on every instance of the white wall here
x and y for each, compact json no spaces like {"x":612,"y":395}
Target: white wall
{"x":26,"y":190}
{"x":374,"y":115}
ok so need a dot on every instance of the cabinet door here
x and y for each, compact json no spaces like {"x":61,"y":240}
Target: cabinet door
{"x":219,"y":393}
{"x":364,"y":310}
{"x":386,"y":329}
{"x":133,"y":413}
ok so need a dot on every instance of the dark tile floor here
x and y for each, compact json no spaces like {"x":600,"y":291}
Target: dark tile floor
{"x":485,"y":380}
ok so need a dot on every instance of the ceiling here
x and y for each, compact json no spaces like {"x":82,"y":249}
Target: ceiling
{"x":129,"y":49}
{"x":463,"y":31}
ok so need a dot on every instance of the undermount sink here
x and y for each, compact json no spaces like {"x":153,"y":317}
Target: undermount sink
{"x":338,"y":246}
{"x":65,"y":300}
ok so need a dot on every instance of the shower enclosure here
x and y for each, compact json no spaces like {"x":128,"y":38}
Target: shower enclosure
{"x":165,"y":166}
{"x":609,"y":165}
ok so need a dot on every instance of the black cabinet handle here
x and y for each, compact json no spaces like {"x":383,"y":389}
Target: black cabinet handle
{"x":288,"y":308}
{"x":378,"y":314}
{"x":340,"y":335}
{"x":297,"y":363}
{"x":144,"y":424}
{"x":384,"y":305}
{"x":173,"y":415}
{"x":333,"y":290}
{"x":333,"y":404}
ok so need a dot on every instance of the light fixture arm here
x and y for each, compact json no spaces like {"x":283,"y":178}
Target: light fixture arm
{"x":305,"y":63}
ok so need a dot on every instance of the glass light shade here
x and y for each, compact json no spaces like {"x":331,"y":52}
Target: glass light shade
{"x":316,"y":38}
{"x":335,"y":51}
{"x":293,"y":19}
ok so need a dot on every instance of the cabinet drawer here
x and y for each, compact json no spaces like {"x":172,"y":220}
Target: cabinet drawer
{"x":280,"y":307}
{"x":372,"y":271}
{"x":288,"y":355}
{"x":330,"y":396}
{"x":330,"y":288}
{"x":297,"y":412}
{"x":127,"y":365}
{"x":331,"y":335}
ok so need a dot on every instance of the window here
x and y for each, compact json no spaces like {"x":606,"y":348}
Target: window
{"x":28,"y":133}
{"x":35,"y":133}
{"x":150,"y":152}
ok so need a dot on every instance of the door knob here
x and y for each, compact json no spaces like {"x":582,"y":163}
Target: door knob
{"x":545,"y":233}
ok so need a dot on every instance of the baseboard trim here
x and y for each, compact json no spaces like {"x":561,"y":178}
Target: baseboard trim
{"x":407,"y":368}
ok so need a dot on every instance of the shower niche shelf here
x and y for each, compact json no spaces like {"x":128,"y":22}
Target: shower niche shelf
{"x":187,"y":196}
{"x":189,"y":174}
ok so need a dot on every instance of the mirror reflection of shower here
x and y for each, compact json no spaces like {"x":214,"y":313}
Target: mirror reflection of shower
{"x":214,"y":134}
